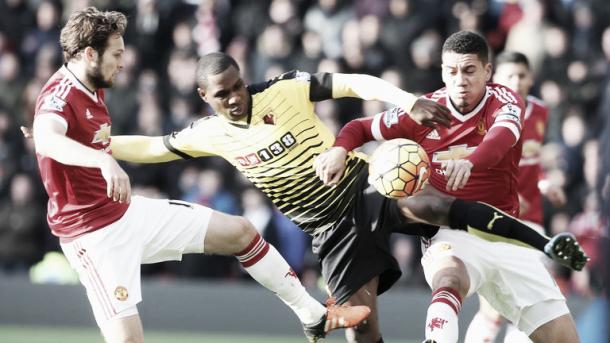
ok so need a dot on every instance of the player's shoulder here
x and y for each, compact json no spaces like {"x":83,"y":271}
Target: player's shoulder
{"x":536,"y":102}
{"x":280,"y":80}
{"x":502,"y":94}
{"x":208,"y":120}
{"x":56,"y":93}
{"x":439,"y":95}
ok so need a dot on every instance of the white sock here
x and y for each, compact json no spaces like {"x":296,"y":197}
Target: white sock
{"x":265,"y":264}
{"x":482,"y":329}
{"x":442,"y":317}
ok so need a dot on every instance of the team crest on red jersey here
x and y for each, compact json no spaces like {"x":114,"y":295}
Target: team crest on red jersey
{"x":481,"y":129}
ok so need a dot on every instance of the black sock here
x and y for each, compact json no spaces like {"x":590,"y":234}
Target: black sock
{"x":467,"y":215}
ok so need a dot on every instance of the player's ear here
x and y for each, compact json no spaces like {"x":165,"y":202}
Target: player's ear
{"x":201,"y":93}
{"x":90,"y":54}
{"x":488,"y":72}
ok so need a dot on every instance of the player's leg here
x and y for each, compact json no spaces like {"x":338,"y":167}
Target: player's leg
{"x":559,"y":330}
{"x":235,"y":235}
{"x":232,"y":235}
{"x":123,"y":330}
{"x":367,"y":331}
{"x":450,"y":284}
{"x":435,"y":207}
{"x":109,"y":269}
{"x":485,"y":325}
{"x":549,"y":321}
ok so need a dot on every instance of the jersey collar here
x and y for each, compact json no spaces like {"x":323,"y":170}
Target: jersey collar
{"x":77,"y":83}
{"x":464,"y":117}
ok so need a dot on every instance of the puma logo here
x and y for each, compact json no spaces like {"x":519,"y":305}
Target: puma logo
{"x":491,"y":222}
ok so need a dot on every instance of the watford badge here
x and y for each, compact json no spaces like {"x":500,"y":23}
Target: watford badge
{"x":269,"y":119}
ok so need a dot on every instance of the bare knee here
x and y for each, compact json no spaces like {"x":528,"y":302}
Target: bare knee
{"x":123,"y":330}
{"x":228,"y":234}
{"x":240,"y":234}
{"x":451,"y":273}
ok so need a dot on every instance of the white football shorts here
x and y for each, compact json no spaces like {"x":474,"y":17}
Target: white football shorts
{"x":108,"y":260}
{"x":511,"y":278}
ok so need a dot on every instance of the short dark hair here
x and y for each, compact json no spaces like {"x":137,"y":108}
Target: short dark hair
{"x":213,"y":64}
{"x":512,"y":57}
{"x":90,"y":27}
{"x":467,"y":42}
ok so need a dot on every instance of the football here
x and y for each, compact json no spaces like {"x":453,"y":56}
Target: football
{"x":399,"y":168}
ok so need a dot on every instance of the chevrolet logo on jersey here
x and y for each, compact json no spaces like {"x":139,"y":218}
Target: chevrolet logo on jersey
{"x":456,"y":152}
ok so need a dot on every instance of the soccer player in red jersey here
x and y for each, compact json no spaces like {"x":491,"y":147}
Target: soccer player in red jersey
{"x":512,"y":69}
{"x":104,"y":231}
{"x":476,"y":159}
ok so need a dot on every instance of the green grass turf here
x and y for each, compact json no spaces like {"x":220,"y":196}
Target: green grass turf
{"x":47,"y":334}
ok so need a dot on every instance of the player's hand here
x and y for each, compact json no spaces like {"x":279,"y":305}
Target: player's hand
{"x":330,"y":165}
{"x":118,"y":186}
{"x":430,"y":113}
{"x":27,"y":132}
{"x":457,"y":172}
{"x":556,"y":195}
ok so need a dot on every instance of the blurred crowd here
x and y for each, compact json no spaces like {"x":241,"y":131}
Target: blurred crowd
{"x":567,"y":42}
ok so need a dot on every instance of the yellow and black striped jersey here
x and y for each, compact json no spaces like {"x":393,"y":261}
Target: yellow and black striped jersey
{"x":276,"y":146}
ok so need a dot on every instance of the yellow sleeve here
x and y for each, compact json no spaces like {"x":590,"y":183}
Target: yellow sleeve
{"x":369,"y":87}
{"x":141,"y":149}
{"x":195,"y":140}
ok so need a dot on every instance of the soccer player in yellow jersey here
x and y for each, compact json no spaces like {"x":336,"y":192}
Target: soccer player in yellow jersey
{"x":270,"y":133}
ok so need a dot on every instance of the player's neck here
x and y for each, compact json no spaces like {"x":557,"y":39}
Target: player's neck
{"x":79,"y":70}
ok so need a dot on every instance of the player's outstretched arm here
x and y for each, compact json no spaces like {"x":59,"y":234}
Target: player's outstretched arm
{"x":423,"y":111}
{"x":141,"y":149}
{"x":136,"y":149}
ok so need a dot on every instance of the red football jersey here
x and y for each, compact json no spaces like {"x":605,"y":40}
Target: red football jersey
{"x":536,"y":116}
{"x":77,"y":195}
{"x":500,"y":109}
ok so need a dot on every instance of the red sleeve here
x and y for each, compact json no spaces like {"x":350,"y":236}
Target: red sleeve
{"x":355,"y":133}
{"x":390,"y":124}
{"x":493,"y":148}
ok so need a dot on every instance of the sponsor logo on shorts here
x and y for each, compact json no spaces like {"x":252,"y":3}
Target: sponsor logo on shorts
{"x":121,"y":293}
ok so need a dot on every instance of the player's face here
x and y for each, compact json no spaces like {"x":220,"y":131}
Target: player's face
{"x":103,"y":69}
{"x":515,"y":76}
{"x":465,"y":77}
{"x":226,"y":93}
